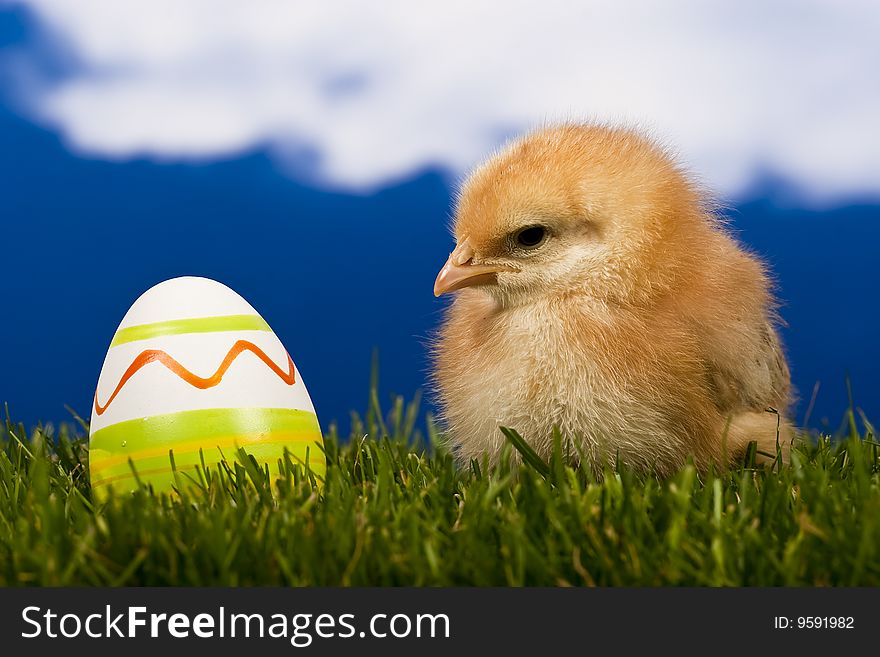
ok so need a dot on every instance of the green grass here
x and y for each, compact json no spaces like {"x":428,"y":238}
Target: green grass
{"x":392,"y":512}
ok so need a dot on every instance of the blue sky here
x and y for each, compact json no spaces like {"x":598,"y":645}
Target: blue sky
{"x":309,"y":162}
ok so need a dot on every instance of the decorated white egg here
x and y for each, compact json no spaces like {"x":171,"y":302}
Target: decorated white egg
{"x":194,"y":372}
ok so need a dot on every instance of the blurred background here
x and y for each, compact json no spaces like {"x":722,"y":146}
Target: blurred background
{"x":306,"y":154}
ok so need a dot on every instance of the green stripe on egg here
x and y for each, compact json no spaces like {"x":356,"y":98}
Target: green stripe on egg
{"x":191,"y":325}
{"x":264,"y":433}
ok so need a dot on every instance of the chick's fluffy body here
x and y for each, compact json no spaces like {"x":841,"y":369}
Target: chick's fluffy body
{"x":640,"y":329}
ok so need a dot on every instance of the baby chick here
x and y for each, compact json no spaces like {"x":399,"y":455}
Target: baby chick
{"x":597,"y":292}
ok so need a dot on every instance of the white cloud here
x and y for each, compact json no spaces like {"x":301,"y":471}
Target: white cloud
{"x":380,"y":89}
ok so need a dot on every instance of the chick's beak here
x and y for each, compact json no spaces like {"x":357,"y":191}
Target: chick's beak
{"x":460,"y":272}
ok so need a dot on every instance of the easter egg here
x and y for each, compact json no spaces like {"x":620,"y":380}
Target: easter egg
{"x":192,"y":374}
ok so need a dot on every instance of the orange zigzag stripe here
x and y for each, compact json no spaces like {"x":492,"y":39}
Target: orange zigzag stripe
{"x":203,"y":383}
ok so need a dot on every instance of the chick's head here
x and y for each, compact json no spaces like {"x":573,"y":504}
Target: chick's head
{"x":574,"y":210}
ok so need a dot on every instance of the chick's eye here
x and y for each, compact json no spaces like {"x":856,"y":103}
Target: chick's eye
{"x":530,"y":237}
